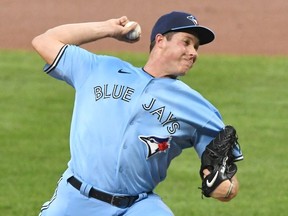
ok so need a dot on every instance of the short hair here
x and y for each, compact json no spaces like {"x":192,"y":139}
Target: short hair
{"x":168,"y":36}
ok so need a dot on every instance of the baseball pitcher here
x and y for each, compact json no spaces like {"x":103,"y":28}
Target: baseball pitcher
{"x":130,"y":122}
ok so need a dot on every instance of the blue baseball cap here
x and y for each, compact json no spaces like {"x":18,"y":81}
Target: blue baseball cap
{"x":182,"y":22}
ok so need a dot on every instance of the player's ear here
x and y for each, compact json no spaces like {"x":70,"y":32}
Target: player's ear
{"x":159,"y":39}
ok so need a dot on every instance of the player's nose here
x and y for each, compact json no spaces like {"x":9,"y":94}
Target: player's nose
{"x":193,"y":54}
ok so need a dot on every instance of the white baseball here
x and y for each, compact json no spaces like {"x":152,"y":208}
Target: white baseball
{"x":134,"y":34}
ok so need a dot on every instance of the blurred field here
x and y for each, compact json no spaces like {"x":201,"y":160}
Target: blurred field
{"x":250,"y":91}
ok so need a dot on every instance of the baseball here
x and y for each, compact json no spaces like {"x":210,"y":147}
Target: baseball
{"x":133,"y":35}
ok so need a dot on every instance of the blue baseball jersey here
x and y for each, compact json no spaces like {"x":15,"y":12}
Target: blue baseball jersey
{"x":127,"y":126}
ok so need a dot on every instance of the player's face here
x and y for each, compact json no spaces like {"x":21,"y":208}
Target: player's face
{"x":181,"y":53}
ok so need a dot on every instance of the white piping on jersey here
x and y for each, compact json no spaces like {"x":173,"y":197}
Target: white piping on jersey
{"x":56,"y":60}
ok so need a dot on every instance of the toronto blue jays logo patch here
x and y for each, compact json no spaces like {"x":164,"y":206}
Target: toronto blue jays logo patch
{"x":193,"y":19}
{"x":155,"y":144}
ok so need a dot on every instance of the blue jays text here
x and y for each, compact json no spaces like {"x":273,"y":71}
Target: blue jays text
{"x":125,"y":93}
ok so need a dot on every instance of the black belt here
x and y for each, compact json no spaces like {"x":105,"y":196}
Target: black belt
{"x":119,"y":201}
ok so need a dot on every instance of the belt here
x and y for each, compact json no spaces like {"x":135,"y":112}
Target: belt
{"x":119,"y":201}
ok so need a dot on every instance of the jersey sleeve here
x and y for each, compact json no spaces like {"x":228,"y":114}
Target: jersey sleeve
{"x":72,"y":65}
{"x":209,"y":132}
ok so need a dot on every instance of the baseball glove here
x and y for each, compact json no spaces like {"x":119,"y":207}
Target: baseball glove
{"x":219,"y":160}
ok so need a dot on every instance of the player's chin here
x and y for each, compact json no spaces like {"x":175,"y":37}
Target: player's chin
{"x":187,"y":67}
{"x":184,"y":71}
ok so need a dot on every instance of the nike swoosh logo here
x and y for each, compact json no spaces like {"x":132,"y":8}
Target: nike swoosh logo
{"x":210,"y":184}
{"x":124,"y":72}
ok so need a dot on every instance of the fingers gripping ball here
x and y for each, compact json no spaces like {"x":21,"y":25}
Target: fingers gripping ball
{"x":134,"y":34}
{"x":218,"y":159}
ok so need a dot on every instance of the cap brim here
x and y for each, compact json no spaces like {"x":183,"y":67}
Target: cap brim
{"x":205,"y":35}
